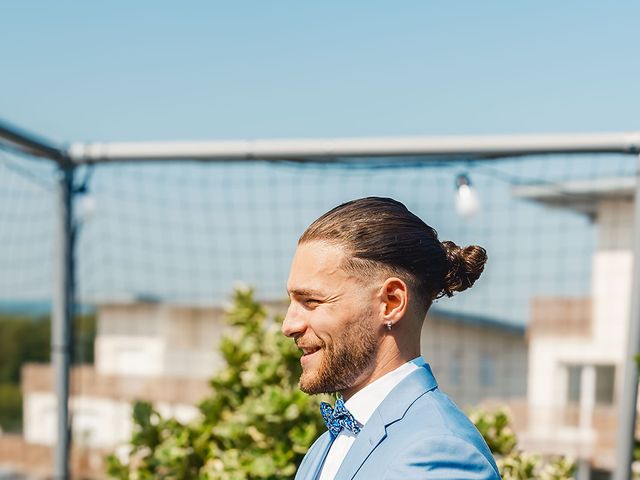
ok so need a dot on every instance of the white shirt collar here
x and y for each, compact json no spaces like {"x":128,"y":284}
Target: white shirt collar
{"x":364,"y":402}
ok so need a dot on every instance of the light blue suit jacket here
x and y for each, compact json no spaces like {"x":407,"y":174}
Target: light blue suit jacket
{"x":416,"y":433}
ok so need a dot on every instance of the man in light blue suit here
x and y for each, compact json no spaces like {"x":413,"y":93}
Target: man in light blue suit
{"x":361,"y":282}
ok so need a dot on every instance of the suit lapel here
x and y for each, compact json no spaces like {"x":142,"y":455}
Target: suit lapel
{"x":392,"y":409}
{"x":367,"y":440}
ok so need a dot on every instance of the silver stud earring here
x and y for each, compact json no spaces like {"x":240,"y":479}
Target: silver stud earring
{"x":389,"y":325}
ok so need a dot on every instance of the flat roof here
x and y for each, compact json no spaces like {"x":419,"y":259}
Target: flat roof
{"x":581,"y":196}
{"x":477,"y":321}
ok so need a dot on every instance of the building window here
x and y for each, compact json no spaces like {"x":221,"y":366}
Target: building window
{"x":604,"y":387}
{"x":574,"y":381}
{"x":605,"y":378}
{"x":487,"y":370}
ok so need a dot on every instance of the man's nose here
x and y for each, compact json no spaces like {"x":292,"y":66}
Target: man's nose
{"x":293,"y":324}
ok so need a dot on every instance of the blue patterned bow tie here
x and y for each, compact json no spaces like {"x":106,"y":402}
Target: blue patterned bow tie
{"x":338,"y":418}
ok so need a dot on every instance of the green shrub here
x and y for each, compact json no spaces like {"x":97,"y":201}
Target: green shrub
{"x":513,"y":463}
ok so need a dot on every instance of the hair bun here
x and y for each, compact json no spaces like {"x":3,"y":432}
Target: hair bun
{"x":465,"y":266}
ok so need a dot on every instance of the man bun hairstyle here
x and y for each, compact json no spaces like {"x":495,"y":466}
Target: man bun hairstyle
{"x":382,"y":235}
{"x":465,"y":267}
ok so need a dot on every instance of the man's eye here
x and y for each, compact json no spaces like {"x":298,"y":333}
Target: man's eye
{"x":311,"y":301}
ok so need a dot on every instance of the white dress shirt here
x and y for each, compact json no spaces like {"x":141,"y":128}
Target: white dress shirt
{"x":362,"y":405}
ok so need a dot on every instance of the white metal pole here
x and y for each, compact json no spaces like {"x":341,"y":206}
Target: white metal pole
{"x":62,"y":320}
{"x":587,"y":398}
{"x":490,"y":146}
{"x":629,"y":401}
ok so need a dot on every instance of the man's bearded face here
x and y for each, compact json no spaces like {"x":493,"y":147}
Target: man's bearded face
{"x":333,"y":319}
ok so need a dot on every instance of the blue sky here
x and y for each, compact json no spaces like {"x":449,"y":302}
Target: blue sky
{"x":156,"y":70}
{"x":206,"y":70}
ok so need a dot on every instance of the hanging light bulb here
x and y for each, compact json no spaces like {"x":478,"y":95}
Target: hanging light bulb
{"x":85,"y":204}
{"x":467,"y":202}
{"x":86,"y":207}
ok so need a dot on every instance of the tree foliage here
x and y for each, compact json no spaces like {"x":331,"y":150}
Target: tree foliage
{"x":10,"y":407}
{"x":26,"y":339}
{"x":514,"y":464}
{"x":22,"y":339}
{"x":256,"y":424}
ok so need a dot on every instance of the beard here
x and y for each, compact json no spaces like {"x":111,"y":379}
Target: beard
{"x":343,"y":361}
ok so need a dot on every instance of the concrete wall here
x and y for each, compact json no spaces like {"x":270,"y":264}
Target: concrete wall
{"x":475,"y":363}
{"x":157,"y":340}
{"x":611,"y":283}
{"x":98,"y":422}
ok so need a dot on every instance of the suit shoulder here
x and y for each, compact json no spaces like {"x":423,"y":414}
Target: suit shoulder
{"x":441,"y":456}
{"x":436,"y":411}
{"x":434,"y":416}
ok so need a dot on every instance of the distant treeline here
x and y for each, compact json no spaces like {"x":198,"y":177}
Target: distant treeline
{"x":26,"y":339}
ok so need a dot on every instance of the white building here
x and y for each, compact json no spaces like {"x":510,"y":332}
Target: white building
{"x":143,"y":351}
{"x":577,"y":346}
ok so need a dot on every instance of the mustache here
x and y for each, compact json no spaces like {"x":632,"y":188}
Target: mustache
{"x":300,"y":343}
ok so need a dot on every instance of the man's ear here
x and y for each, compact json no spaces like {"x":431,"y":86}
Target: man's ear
{"x":394,"y":296}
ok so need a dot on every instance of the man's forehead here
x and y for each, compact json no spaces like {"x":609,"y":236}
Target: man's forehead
{"x":314,"y":265}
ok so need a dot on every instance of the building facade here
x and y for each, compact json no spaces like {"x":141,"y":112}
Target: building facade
{"x":577,"y":345}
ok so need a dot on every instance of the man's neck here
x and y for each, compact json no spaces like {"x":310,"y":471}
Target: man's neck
{"x":381,"y":367}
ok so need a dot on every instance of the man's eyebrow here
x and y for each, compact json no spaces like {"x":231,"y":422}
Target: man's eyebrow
{"x":304,"y":292}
